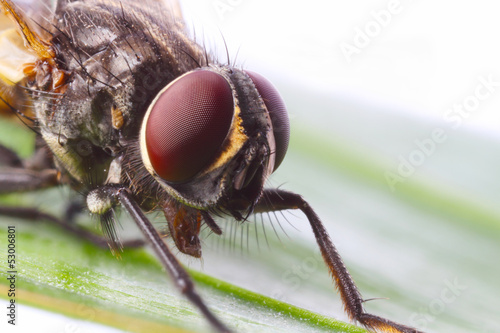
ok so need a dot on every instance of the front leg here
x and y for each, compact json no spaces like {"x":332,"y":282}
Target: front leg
{"x":33,"y":214}
{"x":34,"y":173}
{"x":100,"y":201}
{"x":25,"y":180}
{"x":276,"y":200}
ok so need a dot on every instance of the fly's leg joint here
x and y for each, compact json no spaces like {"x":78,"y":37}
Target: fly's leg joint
{"x":102,"y":199}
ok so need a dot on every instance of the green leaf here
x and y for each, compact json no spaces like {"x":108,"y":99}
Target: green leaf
{"x":60,"y":273}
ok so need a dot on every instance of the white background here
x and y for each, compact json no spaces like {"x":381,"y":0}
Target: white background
{"x":424,"y":60}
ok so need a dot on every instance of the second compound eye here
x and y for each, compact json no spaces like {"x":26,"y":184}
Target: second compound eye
{"x":187,"y":125}
{"x":278,"y":113}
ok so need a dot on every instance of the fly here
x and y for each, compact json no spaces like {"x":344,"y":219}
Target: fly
{"x":133,"y":113}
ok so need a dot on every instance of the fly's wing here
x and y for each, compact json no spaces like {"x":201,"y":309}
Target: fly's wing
{"x":22,"y":42}
{"x":36,"y":7}
{"x":13,"y":53}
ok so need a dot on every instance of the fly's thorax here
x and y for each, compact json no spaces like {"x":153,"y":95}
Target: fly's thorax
{"x":114,"y":62}
{"x":79,"y":127}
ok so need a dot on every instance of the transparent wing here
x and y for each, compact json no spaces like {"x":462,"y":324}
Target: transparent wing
{"x":22,"y":42}
{"x":13,"y":53}
{"x":36,"y":8}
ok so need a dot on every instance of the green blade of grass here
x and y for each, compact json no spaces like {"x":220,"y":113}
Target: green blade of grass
{"x":60,"y":273}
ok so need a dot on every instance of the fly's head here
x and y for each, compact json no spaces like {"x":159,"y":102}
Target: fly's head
{"x":211,"y":138}
{"x":210,"y":135}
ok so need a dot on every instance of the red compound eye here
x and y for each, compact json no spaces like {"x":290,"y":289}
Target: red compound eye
{"x":277,"y":112}
{"x":188,"y":124}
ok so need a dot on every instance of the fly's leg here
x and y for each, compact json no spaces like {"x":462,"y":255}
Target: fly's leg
{"x":9,"y":158}
{"x":25,"y":180}
{"x":40,"y":160}
{"x":16,"y":176}
{"x":33,"y":214}
{"x":276,"y":200}
{"x":103,"y":199}
{"x":34,"y":173}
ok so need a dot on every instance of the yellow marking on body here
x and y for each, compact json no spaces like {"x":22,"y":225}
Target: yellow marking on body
{"x":116,"y":118}
{"x":233,"y":143}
